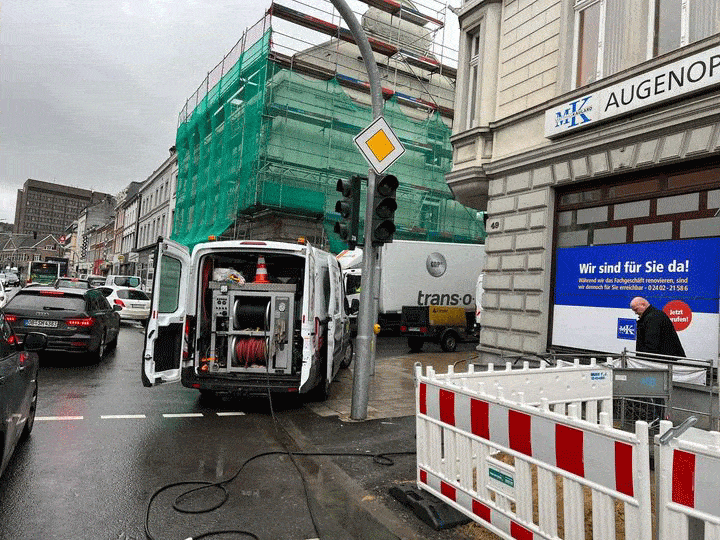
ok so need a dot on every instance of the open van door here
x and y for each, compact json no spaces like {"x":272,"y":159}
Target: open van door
{"x":336,"y":322}
{"x":164,"y":334}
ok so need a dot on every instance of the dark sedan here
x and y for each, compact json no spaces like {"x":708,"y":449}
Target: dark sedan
{"x":18,"y":388}
{"x":75,"y":320}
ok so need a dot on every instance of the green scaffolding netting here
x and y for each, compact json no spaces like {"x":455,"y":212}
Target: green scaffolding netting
{"x":267,"y":137}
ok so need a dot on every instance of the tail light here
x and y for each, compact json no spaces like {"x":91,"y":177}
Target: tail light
{"x":205,"y":364}
{"x":86,"y":322}
{"x":423,"y":329}
{"x":403,"y":328}
{"x":52,"y":293}
{"x":10,"y":318}
{"x":119,"y":302}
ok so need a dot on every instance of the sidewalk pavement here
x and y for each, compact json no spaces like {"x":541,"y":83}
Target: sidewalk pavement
{"x":392,"y":387}
{"x":352,"y":493}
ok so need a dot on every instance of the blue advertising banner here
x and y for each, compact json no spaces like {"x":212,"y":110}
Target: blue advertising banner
{"x":595,"y":284}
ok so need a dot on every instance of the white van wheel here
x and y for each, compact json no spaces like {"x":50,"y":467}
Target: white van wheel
{"x":347,"y":356}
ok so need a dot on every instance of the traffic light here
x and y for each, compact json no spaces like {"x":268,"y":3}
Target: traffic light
{"x":384,"y":206}
{"x":349,"y":209}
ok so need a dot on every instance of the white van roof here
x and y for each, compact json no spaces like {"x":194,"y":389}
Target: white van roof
{"x":249,"y":245}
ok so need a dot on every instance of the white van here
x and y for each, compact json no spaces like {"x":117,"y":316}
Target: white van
{"x":246,"y":317}
{"x":115,"y":280}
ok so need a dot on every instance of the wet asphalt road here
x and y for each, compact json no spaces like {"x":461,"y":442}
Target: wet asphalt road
{"x":103,"y":444}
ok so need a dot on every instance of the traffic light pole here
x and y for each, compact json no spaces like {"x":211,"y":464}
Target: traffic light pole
{"x":365,"y":351}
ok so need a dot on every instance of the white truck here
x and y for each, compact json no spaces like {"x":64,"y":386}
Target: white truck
{"x":418,"y":273}
{"x":246,"y":317}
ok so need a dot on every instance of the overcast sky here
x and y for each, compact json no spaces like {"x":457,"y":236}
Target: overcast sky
{"x":90,"y":91}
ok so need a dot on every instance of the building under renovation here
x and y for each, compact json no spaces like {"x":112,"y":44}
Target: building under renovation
{"x":264,"y":140}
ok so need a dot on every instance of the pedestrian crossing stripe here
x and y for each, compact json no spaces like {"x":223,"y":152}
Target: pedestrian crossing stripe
{"x":137,"y":416}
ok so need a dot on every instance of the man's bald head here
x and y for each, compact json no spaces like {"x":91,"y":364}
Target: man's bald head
{"x":639,"y":305}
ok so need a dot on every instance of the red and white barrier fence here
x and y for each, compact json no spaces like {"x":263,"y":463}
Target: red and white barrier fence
{"x":500,"y":460}
{"x":590,"y":386}
{"x":688,"y":478}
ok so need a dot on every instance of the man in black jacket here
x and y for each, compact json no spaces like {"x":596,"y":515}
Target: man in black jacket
{"x":655,"y":331}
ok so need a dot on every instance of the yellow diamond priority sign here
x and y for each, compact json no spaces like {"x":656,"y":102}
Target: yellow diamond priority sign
{"x":379,"y":145}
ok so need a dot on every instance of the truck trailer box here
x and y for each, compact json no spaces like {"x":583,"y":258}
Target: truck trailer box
{"x":418,"y":273}
{"x":246,"y":317}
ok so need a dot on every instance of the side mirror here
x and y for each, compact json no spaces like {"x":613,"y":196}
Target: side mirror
{"x":35,"y":341}
{"x":355,"y":306}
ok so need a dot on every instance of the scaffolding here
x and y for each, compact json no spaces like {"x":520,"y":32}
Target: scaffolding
{"x":272,"y":126}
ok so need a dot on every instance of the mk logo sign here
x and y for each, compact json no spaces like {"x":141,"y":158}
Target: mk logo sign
{"x":626,"y":329}
{"x":575,"y":114}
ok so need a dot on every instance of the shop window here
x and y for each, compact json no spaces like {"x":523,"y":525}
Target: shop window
{"x":612,"y":235}
{"x":696,"y":228}
{"x":632,"y":210}
{"x":679,"y":203}
{"x":670,"y":205}
{"x":652,"y":232}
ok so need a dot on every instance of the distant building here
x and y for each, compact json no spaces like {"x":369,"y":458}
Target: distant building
{"x":126,"y":203}
{"x":44,"y":208}
{"x":17,"y":250}
{"x":91,"y":220}
{"x":155,"y":206}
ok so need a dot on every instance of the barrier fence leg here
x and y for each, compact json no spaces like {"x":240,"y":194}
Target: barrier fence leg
{"x":663,"y":470}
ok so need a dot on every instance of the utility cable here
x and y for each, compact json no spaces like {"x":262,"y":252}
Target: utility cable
{"x":382,"y":458}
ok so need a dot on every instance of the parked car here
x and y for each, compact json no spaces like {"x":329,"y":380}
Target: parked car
{"x":134,"y":303}
{"x":114,"y":280}
{"x":9,"y":279}
{"x":72,"y":283}
{"x":3,"y":295}
{"x":75,"y":320}
{"x":18,"y":394}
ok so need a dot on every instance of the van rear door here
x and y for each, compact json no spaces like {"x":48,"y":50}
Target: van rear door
{"x":164,"y":334}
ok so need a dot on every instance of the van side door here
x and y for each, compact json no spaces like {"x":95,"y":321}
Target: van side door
{"x":164,"y":333}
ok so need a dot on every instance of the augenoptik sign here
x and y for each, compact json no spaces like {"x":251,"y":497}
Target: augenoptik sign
{"x":678,"y":78}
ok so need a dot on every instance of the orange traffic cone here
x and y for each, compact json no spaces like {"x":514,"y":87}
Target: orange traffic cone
{"x":261,"y":275}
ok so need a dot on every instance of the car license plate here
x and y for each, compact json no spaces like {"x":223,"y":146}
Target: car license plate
{"x":138,"y":306}
{"x":44,"y":324}
{"x":414,"y":329}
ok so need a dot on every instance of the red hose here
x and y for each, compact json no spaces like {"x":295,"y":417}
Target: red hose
{"x":249,"y":351}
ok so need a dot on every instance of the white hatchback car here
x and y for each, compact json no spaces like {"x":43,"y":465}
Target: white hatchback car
{"x":134,"y":303}
{"x":3,"y":295}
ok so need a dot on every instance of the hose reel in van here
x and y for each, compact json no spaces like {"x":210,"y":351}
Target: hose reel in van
{"x":252,"y":314}
{"x":252,"y":327}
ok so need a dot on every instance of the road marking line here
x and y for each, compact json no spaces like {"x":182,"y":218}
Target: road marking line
{"x":46,"y":418}
{"x":183,"y":415}
{"x":229,"y":413}
{"x":121,"y":416}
